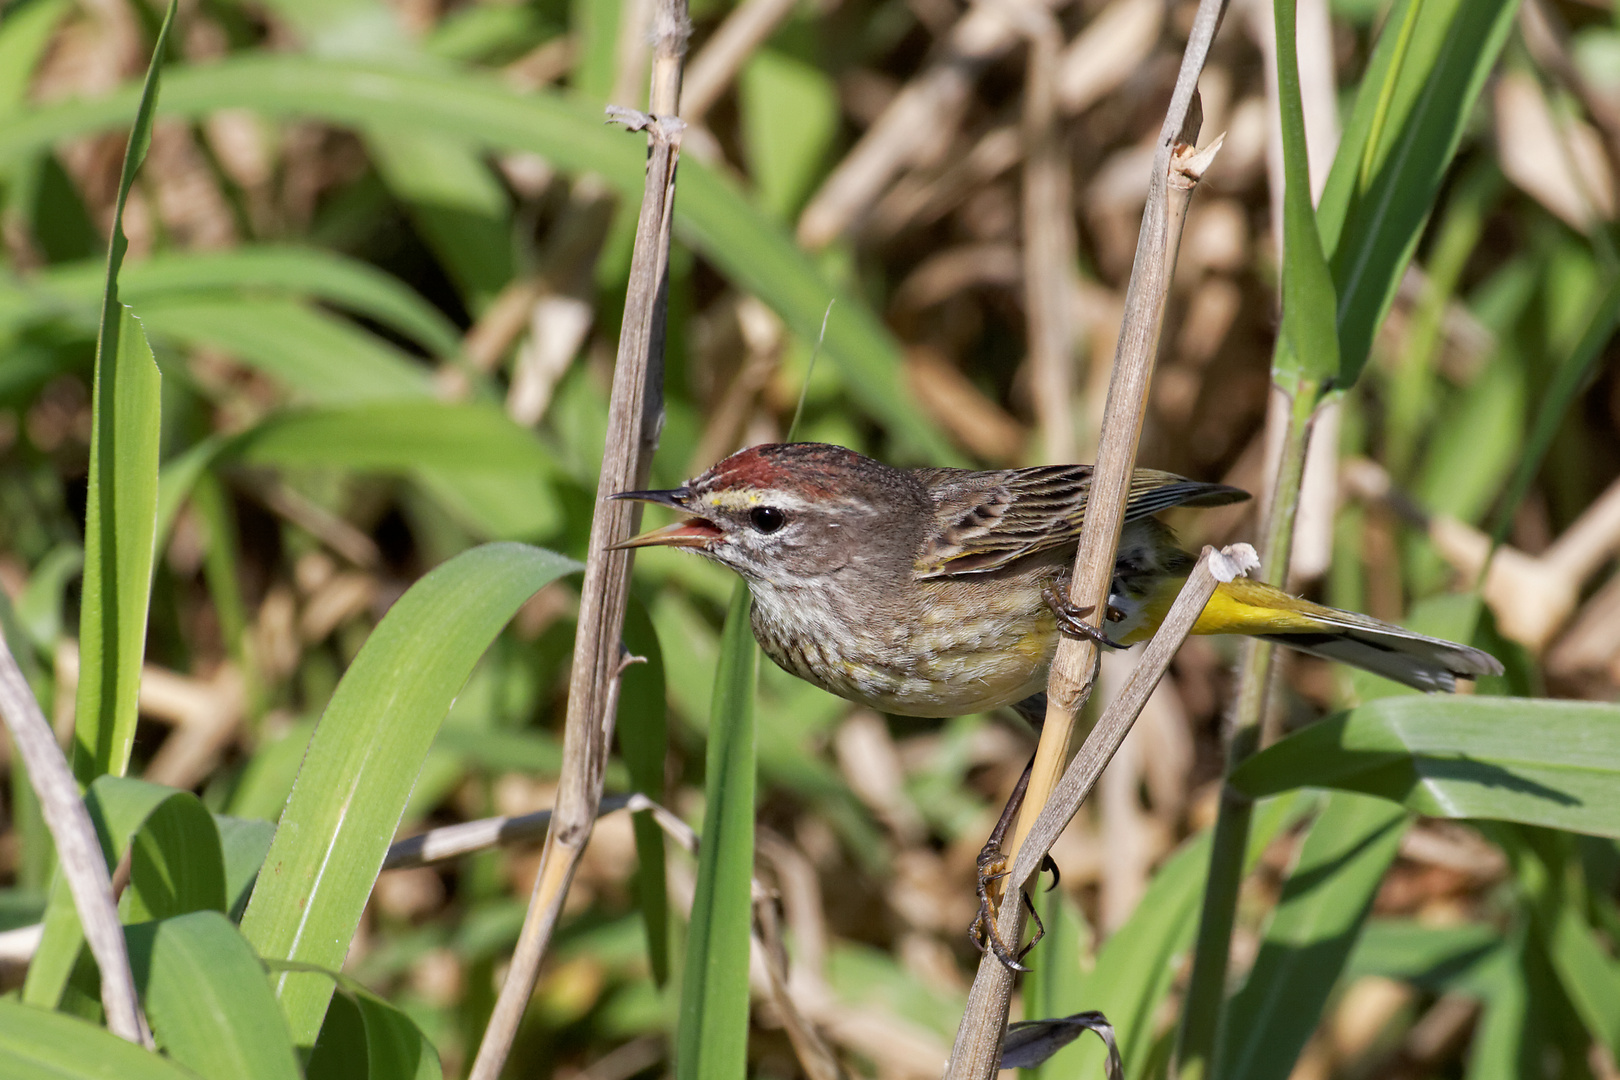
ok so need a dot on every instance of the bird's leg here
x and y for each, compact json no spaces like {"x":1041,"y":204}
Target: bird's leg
{"x":1070,"y":617}
{"x":992,"y":866}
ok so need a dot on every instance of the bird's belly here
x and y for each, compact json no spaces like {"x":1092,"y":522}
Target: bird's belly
{"x":951,"y":660}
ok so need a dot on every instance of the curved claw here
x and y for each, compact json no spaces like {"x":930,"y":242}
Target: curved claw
{"x":1071,"y":620}
{"x":1048,"y":864}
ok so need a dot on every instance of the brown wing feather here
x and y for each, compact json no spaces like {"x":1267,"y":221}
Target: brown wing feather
{"x":985,"y":520}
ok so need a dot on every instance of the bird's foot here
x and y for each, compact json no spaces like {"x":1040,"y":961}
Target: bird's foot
{"x":992,"y":867}
{"x":1071,"y":618}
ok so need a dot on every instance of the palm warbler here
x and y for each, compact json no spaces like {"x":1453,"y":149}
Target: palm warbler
{"x":930,"y":592}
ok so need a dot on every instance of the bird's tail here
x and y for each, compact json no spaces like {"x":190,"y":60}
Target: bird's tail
{"x":1426,"y":663}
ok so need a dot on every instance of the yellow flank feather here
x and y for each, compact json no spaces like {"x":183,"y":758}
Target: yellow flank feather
{"x":1238,"y":607}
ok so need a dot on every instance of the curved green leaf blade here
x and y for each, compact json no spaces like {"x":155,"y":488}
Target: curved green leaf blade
{"x":1137,"y":966}
{"x":1057,"y":986}
{"x":319,"y":356}
{"x":208,"y":1000}
{"x":121,"y":506}
{"x":396,"y":436}
{"x":366,"y":1037}
{"x":243,"y":842}
{"x":752,"y":250}
{"x":364,"y":756}
{"x":23,"y":40}
{"x":269,"y":268}
{"x":1415,"y":101}
{"x":711,"y":1040}
{"x":1461,"y":757}
{"x":643,"y":736}
{"x":120,"y":530}
{"x":39,"y":1045}
{"x":1312,"y":351}
{"x":1317,"y":922}
{"x":176,"y":867}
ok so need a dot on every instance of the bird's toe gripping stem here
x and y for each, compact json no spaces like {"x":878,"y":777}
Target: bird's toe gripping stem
{"x":992,"y":866}
{"x":1071,"y":618}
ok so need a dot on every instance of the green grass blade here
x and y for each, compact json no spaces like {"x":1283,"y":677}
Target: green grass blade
{"x":1504,"y":1047}
{"x":243,"y":842}
{"x":755,"y":252}
{"x":284,"y":269}
{"x":1574,"y":376}
{"x":121,"y":507}
{"x":1312,"y":351}
{"x":1590,"y":976}
{"x":1318,"y":918}
{"x":711,"y":1040}
{"x":1057,"y":986}
{"x":1414,"y":104}
{"x":176,"y":869}
{"x":1137,"y":966}
{"x":364,"y":1036}
{"x":39,"y":1045}
{"x":208,"y":1000}
{"x":395,"y":436}
{"x":1461,"y":757}
{"x":366,"y":753}
{"x":23,"y":40}
{"x":320,"y":357}
{"x":643,"y":735}
{"x":1432,"y":958}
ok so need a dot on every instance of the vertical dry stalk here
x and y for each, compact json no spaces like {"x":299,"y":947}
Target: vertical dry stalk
{"x":979,"y":1040}
{"x":635,"y":417}
{"x":1176,"y":171}
{"x":83,"y":864}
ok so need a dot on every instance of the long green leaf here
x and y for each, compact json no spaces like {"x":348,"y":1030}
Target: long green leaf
{"x":178,"y":867}
{"x":321,"y":357}
{"x":1410,"y":114}
{"x":1317,"y":921}
{"x":23,"y":39}
{"x":39,"y":1045}
{"x":275,"y":268}
{"x":366,"y":1038}
{"x":1137,"y":966}
{"x":755,"y":252}
{"x":1056,"y":987}
{"x":1312,"y":352}
{"x":121,"y":507}
{"x":1432,"y":958}
{"x":1574,"y":375}
{"x":397,"y":436}
{"x":711,"y":1040}
{"x":208,"y":1000}
{"x":365,"y":754}
{"x":1552,"y":763}
{"x":643,"y":734}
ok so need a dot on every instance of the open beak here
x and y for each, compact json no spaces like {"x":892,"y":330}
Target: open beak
{"x":694,"y":532}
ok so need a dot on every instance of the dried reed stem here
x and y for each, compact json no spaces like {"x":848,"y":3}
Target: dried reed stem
{"x":978,"y":1047}
{"x":1176,"y":171}
{"x":83,"y":864}
{"x":635,"y":417}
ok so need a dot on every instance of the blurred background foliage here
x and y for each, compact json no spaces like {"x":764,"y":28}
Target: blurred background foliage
{"x":380,"y":248}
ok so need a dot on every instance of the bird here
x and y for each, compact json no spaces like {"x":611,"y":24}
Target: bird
{"x":941,"y":592}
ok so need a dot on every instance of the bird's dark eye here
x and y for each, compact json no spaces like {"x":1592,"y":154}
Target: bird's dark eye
{"x":767,"y":519}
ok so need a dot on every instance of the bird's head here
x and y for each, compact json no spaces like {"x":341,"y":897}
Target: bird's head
{"x":789,"y":511}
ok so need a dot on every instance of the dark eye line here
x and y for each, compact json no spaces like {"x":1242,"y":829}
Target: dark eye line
{"x":767,"y":519}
